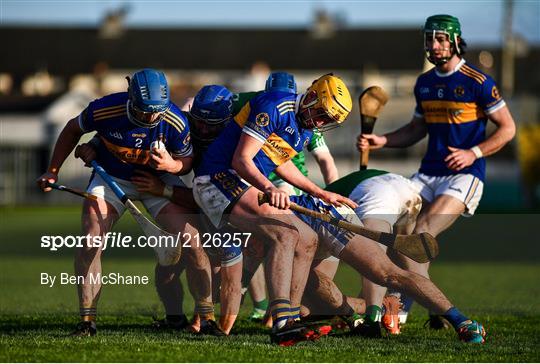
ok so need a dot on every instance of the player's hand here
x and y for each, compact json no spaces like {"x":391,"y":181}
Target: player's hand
{"x":370,"y":141}
{"x":161,"y":160}
{"x":146,"y":182}
{"x":86,"y":152}
{"x":336,"y":199}
{"x":44,"y":178}
{"x":277,"y":198}
{"x":459,"y":158}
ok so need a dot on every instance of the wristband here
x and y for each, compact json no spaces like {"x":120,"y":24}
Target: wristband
{"x":477,"y":152}
{"x":168,"y":191}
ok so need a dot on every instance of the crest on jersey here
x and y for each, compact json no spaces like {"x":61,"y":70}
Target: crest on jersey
{"x":495,"y":93}
{"x":459,"y":91}
{"x":262,"y":119}
{"x":187,"y":139}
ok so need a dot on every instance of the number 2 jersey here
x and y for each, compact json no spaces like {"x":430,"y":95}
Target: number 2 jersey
{"x":124,"y":146}
{"x":455,"y":107}
{"x":270,"y":117}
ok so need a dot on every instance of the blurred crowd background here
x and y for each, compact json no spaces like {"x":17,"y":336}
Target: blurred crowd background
{"x":57,"y":57}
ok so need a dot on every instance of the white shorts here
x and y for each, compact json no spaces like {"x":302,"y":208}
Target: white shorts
{"x":153,"y":204}
{"x":389,"y":197}
{"x":333,"y":240}
{"x":214,"y":193}
{"x":465,"y":187}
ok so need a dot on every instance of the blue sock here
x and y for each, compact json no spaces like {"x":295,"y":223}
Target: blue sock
{"x":455,"y":317}
{"x":407,"y":302}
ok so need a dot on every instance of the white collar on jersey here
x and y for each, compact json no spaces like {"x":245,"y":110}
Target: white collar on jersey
{"x":449,"y":73}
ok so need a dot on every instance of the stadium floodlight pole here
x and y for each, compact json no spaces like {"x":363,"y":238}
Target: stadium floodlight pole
{"x":370,"y":102}
{"x":74,"y":191}
{"x":421,"y":248}
{"x":166,"y":255}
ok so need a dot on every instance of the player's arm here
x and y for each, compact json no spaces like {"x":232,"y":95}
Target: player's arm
{"x":506,"y":129}
{"x":403,"y":137}
{"x":290,"y":173}
{"x":67,"y":140}
{"x":161,"y":160}
{"x":326,"y":164}
{"x":230,"y":295}
{"x":146,"y":182}
{"x":243,"y":164}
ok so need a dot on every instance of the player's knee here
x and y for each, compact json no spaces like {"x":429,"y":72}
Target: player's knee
{"x":307,"y":243}
{"x":165,"y":275}
{"x":285,"y":236}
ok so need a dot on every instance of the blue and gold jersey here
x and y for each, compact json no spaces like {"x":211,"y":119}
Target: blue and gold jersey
{"x":455,"y":107}
{"x":125,"y":146}
{"x":269,"y":118}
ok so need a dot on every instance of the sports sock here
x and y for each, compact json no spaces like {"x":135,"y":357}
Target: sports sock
{"x":205,"y":310}
{"x":281,"y":311}
{"x":295,"y":313}
{"x":261,"y":305}
{"x":373,"y":313}
{"x":407,"y":303}
{"x":88,"y":313}
{"x":455,"y":317}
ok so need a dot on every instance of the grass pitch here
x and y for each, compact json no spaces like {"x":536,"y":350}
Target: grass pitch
{"x":498,"y":289}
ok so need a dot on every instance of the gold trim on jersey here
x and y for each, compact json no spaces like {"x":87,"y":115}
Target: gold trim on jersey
{"x":174,"y":121}
{"x":109,"y":116}
{"x":243,"y":115}
{"x":468,"y":71}
{"x":108,"y":109}
{"x":451,"y":112}
{"x":278,"y":150}
{"x":126,"y":154}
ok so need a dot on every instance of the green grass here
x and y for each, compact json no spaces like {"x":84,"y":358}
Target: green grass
{"x":502,"y":293}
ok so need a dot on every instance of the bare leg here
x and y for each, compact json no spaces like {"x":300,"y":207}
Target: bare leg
{"x":374,"y":293}
{"x":370,"y":261}
{"x":283,"y":231}
{"x":97,"y":219}
{"x":176,"y":219}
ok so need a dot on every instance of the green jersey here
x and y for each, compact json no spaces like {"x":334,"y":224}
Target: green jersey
{"x":317,"y":141}
{"x":242,"y":98}
{"x":345,"y":185}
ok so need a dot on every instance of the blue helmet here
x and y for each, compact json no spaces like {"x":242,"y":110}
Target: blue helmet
{"x":211,"y":110}
{"x":149,"y":97}
{"x":281,"y":81}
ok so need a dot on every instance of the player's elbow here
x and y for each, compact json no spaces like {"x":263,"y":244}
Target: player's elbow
{"x":239,"y":164}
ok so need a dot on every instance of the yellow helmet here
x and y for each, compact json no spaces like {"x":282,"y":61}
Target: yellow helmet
{"x":326,"y":104}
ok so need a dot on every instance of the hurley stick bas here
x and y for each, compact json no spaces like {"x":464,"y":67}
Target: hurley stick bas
{"x":421,"y":248}
{"x":370,"y":102}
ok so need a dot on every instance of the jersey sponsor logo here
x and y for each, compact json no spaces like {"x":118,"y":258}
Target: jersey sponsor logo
{"x":127,"y":154}
{"x":459,"y":91}
{"x":138,"y":135}
{"x":116,"y":135}
{"x":451,"y":112}
{"x":262,"y":119}
{"x":289,"y":130}
{"x":278,"y":150}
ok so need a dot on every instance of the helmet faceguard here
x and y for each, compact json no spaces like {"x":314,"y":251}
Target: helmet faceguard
{"x":442,"y":24}
{"x":148,"y":98}
{"x":210,"y":113}
{"x":325,"y":105}
{"x":281,"y":81}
